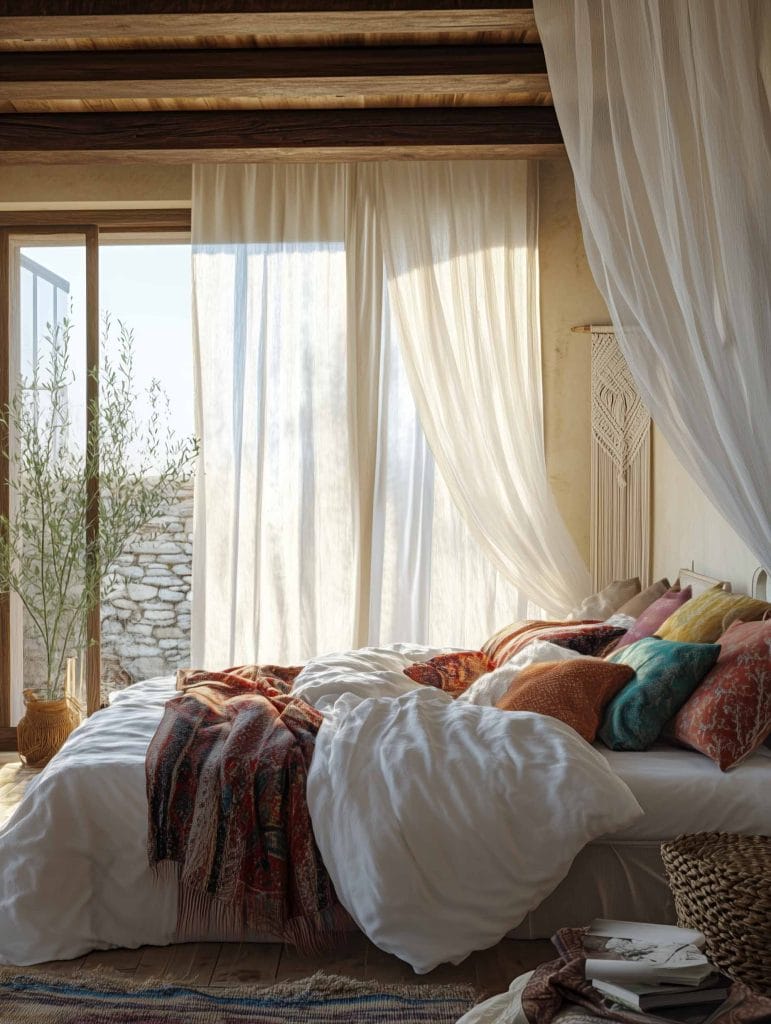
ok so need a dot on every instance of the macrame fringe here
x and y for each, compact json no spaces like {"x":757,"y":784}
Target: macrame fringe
{"x":620,"y":469}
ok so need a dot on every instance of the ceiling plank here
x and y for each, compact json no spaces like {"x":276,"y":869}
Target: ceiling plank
{"x":314,"y":27}
{"x":280,"y":134}
{"x":275,"y":78}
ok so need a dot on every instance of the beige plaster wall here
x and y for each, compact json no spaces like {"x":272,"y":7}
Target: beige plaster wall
{"x":687,"y":528}
{"x":98,"y":186}
{"x":569,"y":296}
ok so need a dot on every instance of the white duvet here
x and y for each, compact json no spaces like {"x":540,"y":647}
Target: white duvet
{"x":441,"y":823}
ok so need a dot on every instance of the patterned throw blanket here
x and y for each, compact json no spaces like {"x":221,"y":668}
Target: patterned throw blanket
{"x":226,"y":780}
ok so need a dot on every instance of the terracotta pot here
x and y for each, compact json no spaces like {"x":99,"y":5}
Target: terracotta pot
{"x":44,"y":728}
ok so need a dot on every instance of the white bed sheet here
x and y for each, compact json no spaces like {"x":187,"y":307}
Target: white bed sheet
{"x":684,"y":791}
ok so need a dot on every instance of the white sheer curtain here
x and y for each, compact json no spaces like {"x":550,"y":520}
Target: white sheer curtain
{"x":320,"y":520}
{"x":664,"y":108}
{"x":461,"y":248}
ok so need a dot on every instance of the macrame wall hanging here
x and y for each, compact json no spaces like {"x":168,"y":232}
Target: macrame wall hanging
{"x":621,"y":465}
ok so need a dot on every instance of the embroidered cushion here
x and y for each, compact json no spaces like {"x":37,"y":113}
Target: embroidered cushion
{"x":655,"y":616}
{"x":636,"y":605}
{"x":606,"y":601}
{"x":574,"y":691}
{"x":452,"y":673}
{"x":729,"y":715}
{"x":583,"y":637}
{"x":666,"y":674}
{"x":700,"y":621}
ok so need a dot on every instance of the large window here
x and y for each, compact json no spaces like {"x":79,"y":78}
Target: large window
{"x":91,"y":284}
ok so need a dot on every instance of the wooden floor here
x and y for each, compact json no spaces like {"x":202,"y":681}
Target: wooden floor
{"x":216,"y":965}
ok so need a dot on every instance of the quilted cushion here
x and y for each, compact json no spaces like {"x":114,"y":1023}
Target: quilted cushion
{"x":583,"y":637}
{"x":655,"y":616}
{"x":666,"y":674}
{"x":606,"y":601}
{"x":729,"y":715}
{"x":452,"y":673}
{"x":574,"y":691}
{"x":700,"y":621}
{"x":636,"y":605}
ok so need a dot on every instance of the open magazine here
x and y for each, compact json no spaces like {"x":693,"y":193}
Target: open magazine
{"x":628,"y":951}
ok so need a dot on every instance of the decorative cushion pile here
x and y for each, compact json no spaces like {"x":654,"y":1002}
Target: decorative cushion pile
{"x":607,"y":601}
{"x":489,"y":688}
{"x":729,"y":715}
{"x":590,"y":638}
{"x":452,"y":673}
{"x":655,"y":616}
{"x":636,"y":605}
{"x":700,"y":621}
{"x":574,"y":691}
{"x":667,"y":673}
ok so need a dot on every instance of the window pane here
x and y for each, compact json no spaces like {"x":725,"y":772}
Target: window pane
{"x":145,"y":290}
{"x":48,"y":361}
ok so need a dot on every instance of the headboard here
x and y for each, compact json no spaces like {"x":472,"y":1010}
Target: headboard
{"x":699,"y":582}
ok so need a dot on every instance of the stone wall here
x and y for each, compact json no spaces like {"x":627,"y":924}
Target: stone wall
{"x":146,"y":616}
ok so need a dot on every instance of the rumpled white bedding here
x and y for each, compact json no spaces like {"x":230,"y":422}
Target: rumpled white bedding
{"x":441,"y":823}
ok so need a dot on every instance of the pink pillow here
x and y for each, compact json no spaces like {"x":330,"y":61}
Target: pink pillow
{"x":654,"y":616}
{"x":729,"y":715}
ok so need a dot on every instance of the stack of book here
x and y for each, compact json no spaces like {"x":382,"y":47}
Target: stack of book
{"x":654,"y":969}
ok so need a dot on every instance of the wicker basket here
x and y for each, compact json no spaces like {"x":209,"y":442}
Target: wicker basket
{"x":721,"y":884}
{"x":44,"y":728}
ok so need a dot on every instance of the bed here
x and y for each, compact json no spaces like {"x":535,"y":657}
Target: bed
{"x":94,"y":882}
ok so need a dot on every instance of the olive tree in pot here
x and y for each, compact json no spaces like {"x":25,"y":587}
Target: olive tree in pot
{"x":46,"y":558}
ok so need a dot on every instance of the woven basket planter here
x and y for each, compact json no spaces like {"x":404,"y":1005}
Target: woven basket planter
{"x":721,"y":884}
{"x":44,"y":728}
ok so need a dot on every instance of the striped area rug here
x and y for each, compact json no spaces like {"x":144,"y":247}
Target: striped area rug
{"x":99,"y":998}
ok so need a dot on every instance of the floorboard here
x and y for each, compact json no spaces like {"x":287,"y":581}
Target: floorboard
{"x":217,"y":966}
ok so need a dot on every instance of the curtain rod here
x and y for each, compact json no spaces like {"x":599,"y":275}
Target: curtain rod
{"x":588,"y":328}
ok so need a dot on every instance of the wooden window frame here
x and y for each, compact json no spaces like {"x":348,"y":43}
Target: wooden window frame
{"x":93,"y":226}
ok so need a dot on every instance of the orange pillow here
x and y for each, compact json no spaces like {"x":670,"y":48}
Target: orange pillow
{"x":574,"y":691}
{"x":452,"y":673}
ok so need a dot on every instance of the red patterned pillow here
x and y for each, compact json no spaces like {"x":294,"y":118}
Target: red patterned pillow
{"x":729,"y":715}
{"x":452,"y":673}
{"x":587,"y":637}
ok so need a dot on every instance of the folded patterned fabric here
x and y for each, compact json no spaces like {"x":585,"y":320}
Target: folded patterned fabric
{"x":453,"y":673}
{"x":226,"y":792}
{"x":587,"y":637}
{"x":561,"y":985}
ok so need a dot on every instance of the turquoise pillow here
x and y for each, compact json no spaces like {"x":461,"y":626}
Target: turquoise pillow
{"x":666,"y":674}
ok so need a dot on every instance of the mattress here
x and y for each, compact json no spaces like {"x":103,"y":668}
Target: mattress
{"x":622,"y":876}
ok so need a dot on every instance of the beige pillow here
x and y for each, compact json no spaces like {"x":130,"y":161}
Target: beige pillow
{"x":601,"y":605}
{"x":637,"y":605}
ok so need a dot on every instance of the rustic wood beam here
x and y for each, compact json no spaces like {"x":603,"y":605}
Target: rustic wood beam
{"x":41,"y":221}
{"x":390,"y":76}
{"x":284,"y":25}
{"x":281,"y":134}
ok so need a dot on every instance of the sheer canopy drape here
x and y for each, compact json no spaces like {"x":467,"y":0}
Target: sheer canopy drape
{"x":463,"y":282}
{"x":321,"y":520}
{"x":664,"y":108}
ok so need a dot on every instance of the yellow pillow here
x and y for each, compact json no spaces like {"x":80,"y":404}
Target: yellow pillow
{"x":700,"y":620}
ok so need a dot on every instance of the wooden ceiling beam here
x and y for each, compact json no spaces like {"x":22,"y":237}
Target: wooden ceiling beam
{"x":274,"y":78}
{"x":313,"y":26}
{"x":187,"y":136}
